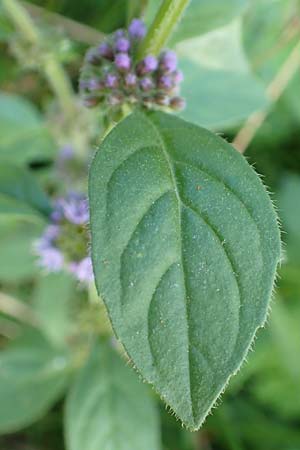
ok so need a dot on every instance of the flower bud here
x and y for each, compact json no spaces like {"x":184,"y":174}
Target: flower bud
{"x":92,"y":57}
{"x":147,"y":65}
{"x":165,"y":82}
{"x":146,"y":84}
{"x":178,"y":76}
{"x":168,"y":61}
{"x":122,"y":45}
{"x":106,"y":51}
{"x":111,"y":81}
{"x":177,"y":103}
{"x":94,"y":84}
{"x":130,"y":80}
{"x":137,"y":29}
{"x":90,"y":101}
{"x":122,"y":61}
{"x":162,"y":99}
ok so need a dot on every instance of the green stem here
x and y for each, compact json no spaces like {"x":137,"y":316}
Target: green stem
{"x":59,"y":83}
{"x":52,"y":69}
{"x":22,"y":20}
{"x":163,"y":25}
{"x":133,"y":10}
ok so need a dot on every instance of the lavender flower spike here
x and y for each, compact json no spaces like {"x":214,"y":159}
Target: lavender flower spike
{"x":137,"y":29}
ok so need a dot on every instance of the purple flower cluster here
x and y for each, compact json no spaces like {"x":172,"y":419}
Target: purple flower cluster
{"x":111,"y":75}
{"x":64,"y":243}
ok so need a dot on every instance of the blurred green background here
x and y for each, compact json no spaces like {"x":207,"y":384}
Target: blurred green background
{"x":230,"y":51}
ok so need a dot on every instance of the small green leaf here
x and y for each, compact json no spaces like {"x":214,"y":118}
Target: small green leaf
{"x":12,"y":208}
{"x":33,"y":375}
{"x":19,"y":189}
{"x":53,"y":302}
{"x":201,"y":16}
{"x":219,"y":87}
{"x":109,"y":408}
{"x":185,"y":246}
{"x":219,"y":99}
{"x":23,"y":134}
{"x":17,"y":259}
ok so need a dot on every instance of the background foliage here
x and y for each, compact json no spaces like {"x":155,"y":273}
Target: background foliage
{"x":230,"y":53}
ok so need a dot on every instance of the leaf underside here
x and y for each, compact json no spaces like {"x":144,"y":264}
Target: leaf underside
{"x":185,"y":245}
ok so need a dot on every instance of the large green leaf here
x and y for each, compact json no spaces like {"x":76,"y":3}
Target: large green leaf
{"x":19,"y":189}
{"x":219,"y":87}
{"x":33,"y":375}
{"x":17,"y":259}
{"x":109,"y":408}
{"x":201,"y":16}
{"x":185,"y":246}
{"x":23,"y":134}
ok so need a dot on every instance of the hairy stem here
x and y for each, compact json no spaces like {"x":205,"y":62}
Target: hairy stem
{"x":59,"y":82}
{"x":274,"y":92}
{"x":163,"y":25}
{"x":17,"y":309}
{"x":52,"y":69}
{"x":22,"y":20}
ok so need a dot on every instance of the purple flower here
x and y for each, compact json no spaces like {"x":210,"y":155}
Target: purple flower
{"x":119,"y":34}
{"x":92,"y":57}
{"x":57,"y":213}
{"x":168,"y":61}
{"x":111,"y":81}
{"x":137,"y":29}
{"x":51,"y":233}
{"x":75,"y":209}
{"x":146,"y":84}
{"x":130,"y":79}
{"x":165,"y":82}
{"x":83,"y":270}
{"x":147,"y":65}
{"x":122,"y":45}
{"x":67,"y":231}
{"x":66,"y":153}
{"x":51,"y":259}
{"x":106,"y":51}
{"x":94,"y":84}
{"x":122,"y":61}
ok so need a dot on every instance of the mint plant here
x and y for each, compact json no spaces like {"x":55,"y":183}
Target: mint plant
{"x":152,"y":244}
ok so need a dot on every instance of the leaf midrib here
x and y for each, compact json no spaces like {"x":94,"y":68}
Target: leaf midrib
{"x":180,"y":205}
